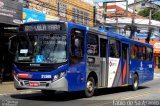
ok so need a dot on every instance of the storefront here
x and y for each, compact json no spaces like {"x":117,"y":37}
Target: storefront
{"x":10,"y":18}
{"x":156,"y":44}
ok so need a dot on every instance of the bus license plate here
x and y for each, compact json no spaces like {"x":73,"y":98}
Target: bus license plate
{"x":34,"y":84}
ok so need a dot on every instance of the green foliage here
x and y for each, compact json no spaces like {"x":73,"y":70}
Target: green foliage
{"x":156,"y":16}
{"x":145,"y":13}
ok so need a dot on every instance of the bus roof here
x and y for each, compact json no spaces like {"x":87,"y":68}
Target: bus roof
{"x":124,"y":38}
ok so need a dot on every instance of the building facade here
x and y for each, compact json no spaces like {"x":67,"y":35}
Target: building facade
{"x":73,"y":10}
{"x":77,"y":11}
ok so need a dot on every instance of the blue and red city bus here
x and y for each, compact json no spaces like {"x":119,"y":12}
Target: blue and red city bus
{"x":65,"y":56}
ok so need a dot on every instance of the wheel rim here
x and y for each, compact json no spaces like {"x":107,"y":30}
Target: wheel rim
{"x":90,"y":86}
{"x":135,"y":83}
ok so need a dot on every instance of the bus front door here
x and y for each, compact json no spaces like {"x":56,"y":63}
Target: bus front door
{"x":125,"y":63}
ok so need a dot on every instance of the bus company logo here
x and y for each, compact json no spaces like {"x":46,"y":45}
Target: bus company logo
{"x":1,"y":4}
{"x":112,"y":64}
{"x":141,"y":65}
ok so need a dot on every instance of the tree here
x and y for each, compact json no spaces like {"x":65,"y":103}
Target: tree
{"x":145,"y":13}
{"x":156,"y":16}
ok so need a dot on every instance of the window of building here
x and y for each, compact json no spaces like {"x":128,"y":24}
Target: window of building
{"x":134,"y":51}
{"x":92,"y":44}
{"x":40,"y":6}
{"x":80,"y":16}
{"x":61,"y":9}
{"x":114,"y":48}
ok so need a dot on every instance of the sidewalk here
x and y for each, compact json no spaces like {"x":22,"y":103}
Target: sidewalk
{"x":7,"y":88}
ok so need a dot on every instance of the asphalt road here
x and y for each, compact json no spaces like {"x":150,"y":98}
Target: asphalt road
{"x":120,"y":96}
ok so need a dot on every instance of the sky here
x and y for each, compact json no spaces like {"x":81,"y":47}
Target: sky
{"x":129,"y":1}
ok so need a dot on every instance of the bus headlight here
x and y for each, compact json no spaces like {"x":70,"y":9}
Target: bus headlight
{"x":55,"y":77}
{"x":62,"y":74}
{"x":59,"y":75}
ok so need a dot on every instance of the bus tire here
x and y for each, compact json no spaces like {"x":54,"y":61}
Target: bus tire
{"x":90,"y":87}
{"x":135,"y":82}
{"x":48,"y":92}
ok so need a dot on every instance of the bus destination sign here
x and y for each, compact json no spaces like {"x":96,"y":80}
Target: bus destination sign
{"x":43,"y":27}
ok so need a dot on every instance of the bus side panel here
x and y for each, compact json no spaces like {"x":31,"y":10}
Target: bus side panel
{"x":76,"y":77}
{"x":114,"y":73}
{"x":136,"y":67}
{"x":145,"y":70}
{"x":148,"y":71}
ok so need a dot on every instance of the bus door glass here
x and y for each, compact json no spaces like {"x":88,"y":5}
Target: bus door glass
{"x":76,"y":46}
{"x":114,"y":71}
{"x":103,"y":55}
{"x":125,"y":63}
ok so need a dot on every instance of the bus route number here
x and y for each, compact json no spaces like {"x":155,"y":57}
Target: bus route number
{"x":45,"y":76}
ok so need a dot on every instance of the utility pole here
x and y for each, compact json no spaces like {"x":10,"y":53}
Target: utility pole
{"x":105,"y":11}
{"x":132,"y":27}
{"x":149,"y":26}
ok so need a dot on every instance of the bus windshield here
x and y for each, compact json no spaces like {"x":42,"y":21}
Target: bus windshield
{"x":41,"y":48}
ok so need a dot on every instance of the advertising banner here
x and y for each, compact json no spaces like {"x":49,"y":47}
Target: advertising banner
{"x":10,"y":12}
{"x":31,"y":15}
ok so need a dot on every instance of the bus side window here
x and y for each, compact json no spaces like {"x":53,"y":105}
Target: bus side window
{"x":77,"y":46}
{"x":92,"y":44}
{"x":149,"y":53}
{"x":114,"y":48}
{"x":142,"y":53}
{"x":134,"y":51}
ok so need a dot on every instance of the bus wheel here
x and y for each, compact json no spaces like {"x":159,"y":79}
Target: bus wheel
{"x":90,"y":87}
{"x":135,"y":82}
{"x":48,"y":92}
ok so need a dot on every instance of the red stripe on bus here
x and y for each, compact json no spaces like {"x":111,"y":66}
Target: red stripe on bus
{"x":124,"y":72}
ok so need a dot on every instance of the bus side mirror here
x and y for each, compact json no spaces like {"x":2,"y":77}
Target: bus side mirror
{"x":12,"y":45}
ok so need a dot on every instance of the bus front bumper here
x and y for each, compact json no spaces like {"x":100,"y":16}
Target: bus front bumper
{"x":59,"y":85}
